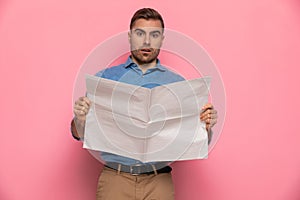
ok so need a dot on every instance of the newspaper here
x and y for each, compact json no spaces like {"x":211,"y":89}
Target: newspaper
{"x":149,"y":125}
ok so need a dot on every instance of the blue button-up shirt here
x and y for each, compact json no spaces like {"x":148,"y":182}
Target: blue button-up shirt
{"x":130,"y":73}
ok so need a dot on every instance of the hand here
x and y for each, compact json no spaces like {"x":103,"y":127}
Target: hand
{"x":209,"y":116}
{"x":81,"y":108}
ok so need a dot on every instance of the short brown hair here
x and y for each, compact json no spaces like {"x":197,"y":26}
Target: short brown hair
{"x":146,"y":13}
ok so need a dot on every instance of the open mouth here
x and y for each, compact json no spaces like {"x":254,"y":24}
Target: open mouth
{"x":146,"y":50}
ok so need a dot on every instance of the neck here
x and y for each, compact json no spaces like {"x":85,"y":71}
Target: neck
{"x":144,"y":66}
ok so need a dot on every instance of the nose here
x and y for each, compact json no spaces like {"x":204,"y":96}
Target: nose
{"x":147,"y":39}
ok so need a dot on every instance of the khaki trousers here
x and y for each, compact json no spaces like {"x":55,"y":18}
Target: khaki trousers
{"x":124,"y":186}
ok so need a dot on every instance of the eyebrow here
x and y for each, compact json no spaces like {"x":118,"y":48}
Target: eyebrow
{"x":138,"y":29}
{"x":155,"y":32}
{"x":151,"y":32}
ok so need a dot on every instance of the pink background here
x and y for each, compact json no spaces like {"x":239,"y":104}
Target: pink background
{"x":255,"y":44}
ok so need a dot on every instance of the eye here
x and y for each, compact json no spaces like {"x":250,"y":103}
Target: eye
{"x":139,"y":33}
{"x":155,"y":34}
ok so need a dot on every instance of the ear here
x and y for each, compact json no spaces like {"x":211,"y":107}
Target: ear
{"x":129,"y":36}
{"x":162,"y":40}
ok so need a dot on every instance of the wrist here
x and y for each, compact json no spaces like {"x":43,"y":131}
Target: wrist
{"x":79,"y":121}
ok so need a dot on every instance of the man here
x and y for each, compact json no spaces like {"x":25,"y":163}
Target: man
{"x":125,"y":178}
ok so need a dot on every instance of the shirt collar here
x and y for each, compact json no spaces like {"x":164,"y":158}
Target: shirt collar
{"x":129,"y":62}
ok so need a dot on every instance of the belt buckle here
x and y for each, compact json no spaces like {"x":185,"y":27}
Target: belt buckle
{"x":135,"y":172}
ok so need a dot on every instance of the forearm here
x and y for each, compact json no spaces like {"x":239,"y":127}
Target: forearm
{"x":77,"y":128}
{"x":81,"y":108}
{"x":209,"y":135}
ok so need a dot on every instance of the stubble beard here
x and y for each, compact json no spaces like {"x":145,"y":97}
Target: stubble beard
{"x":143,"y":59}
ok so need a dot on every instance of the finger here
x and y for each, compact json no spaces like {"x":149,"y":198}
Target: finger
{"x":208,"y":112}
{"x":205,"y":114}
{"x":209,"y":116}
{"x":207,"y":121}
{"x":82,"y":104}
{"x":207,"y":106}
{"x":204,"y":117}
{"x":85,"y":100}
{"x":79,"y":113}
{"x":79,"y":108}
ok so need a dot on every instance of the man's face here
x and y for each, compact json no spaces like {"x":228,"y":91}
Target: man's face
{"x":145,"y":37}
